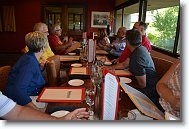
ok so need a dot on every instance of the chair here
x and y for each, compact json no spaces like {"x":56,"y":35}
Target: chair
{"x":168,"y":87}
{"x":161,"y":66}
{"x":4,"y":73}
{"x":53,"y":70}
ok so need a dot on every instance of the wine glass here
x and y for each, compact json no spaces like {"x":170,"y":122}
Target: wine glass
{"x":96,"y":75}
{"x":89,"y":99}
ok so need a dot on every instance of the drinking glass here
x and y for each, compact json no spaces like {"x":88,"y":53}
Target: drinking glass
{"x":89,"y":99}
{"x":96,"y":75}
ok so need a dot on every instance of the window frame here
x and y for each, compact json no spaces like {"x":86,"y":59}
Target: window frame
{"x":142,"y":17}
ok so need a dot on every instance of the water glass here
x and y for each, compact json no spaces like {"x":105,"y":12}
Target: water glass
{"x":89,"y":99}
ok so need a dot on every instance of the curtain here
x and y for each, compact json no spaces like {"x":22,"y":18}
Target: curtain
{"x":9,"y":19}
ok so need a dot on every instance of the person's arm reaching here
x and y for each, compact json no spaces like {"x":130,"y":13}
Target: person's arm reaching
{"x":26,"y":113}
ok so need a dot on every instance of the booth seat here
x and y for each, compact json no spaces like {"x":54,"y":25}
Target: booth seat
{"x":168,"y":87}
{"x":161,"y":66}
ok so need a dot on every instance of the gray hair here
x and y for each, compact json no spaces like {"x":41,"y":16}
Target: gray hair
{"x":123,"y":30}
{"x":39,"y":26}
{"x":35,"y":41}
{"x":54,"y":28}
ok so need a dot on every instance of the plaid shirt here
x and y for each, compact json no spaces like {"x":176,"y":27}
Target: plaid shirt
{"x":174,"y":85}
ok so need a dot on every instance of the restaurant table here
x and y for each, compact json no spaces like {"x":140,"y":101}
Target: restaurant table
{"x":124,"y":104}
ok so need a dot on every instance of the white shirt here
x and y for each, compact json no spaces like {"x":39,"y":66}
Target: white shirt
{"x":6,"y":105}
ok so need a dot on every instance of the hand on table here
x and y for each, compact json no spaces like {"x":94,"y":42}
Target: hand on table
{"x":78,"y":114}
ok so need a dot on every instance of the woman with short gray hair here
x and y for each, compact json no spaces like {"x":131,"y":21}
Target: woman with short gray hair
{"x":25,"y":79}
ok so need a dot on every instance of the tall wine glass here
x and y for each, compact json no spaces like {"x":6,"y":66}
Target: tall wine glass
{"x":89,"y":99}
{"x":96,"y":75}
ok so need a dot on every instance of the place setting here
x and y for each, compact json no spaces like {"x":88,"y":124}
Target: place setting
{"x":76,"y":65}
{"x":76,"y":82}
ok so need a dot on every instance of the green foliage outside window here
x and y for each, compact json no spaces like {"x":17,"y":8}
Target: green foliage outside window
{"x":164,"y":27}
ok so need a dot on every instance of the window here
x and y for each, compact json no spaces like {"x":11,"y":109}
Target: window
{"x":162,"y":27}
{"x":70,"y":17}
{"x":118,"y":19}
{"x":130,"y":15}
{"x":162,"y":18}
{"x":75,"y":18}
{"x":53,"y":15}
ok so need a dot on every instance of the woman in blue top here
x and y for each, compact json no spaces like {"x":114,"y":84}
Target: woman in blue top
{"x":25,"y":78}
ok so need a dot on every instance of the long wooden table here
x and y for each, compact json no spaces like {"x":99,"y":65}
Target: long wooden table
{"x":124,"y":105}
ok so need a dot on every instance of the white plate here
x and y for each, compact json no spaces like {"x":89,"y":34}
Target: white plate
{"x":76,"y":65}
{"x":60,"y":113}
{"x":108,"y":63}
{"x":79,"y":48}
{"x":76,"y":82}
{"x":125,"y":80}
{"x":72,"y":54}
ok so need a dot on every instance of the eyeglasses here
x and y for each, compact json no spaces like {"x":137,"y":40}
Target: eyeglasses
{"x":46,"y":32}
{"x":59,"y":30}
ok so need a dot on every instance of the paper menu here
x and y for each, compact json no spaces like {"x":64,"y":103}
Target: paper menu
{"x":80,"y":70}
{"x":99,"y":57}
{"x":110,"y":97}
{"x":91,"y":50}
{"x":103,"y":52}
{"x":142,"y":102}
{"x":60,"y":94}
{"x":69,"y":58}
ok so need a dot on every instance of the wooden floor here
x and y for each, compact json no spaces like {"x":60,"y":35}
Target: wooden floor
{"x":9,"y":58}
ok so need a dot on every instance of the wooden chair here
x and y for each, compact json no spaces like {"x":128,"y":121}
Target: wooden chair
{"x":53,"y":70}
{"x":161,"y":66}
{"x":4,"y":73}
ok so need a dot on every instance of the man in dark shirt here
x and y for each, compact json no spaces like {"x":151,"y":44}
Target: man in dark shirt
{"x":142,"y":66}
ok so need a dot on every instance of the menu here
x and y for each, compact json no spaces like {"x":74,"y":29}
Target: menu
{"x":142,"y":102}
{"x":91,"y":50}
{"x":74,"y":46}
{"x":79,"y":70}
{"x":69,"y":58}
{"x":103,"y":52}
{"x":61,"y":94}
{"x":110,"y":93}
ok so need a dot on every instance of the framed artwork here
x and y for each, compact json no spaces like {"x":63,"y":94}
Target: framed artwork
{"x":100,"y":19}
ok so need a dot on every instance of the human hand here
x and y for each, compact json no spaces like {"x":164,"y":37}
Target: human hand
{"x":78,"y":114}
{"x":115,"y":61}
{"x":42,"y":64}
{"x":70,"y":39}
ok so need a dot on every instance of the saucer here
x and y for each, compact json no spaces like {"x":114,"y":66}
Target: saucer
{"x":108,"y":63}
{"x":71,"y":54}
{"x":76,"y":82}
{"x":79,"y":48}
{"x":76,"y":65}
{"x":125,"y":80}
{"x":60,"y":113}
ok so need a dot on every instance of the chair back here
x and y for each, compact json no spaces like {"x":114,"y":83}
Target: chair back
{"x":53,"y":70}
{"x":161,"y":66}
{"x":4,"y":73}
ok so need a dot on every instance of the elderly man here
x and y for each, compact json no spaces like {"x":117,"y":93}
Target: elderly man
{"x":57,"y":46}
{"x":117,"y":47}
{"x":42,"y":27}
{"x":141,"y":27}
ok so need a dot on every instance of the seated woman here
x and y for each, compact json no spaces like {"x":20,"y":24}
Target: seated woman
{"x":57,"y":46}
{"x":25,"y":79}
{"x":103,"y":41}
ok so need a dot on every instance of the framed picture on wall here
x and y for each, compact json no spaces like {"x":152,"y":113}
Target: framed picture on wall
{"x":100,"y":19}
